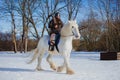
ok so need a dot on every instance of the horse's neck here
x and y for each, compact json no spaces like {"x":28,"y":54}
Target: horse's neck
{"x":65,"y":31}
{"x":68,"y":38}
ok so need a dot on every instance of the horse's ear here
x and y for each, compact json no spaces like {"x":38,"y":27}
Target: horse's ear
{"x":68,"y":21}
{"x":75,"y":21}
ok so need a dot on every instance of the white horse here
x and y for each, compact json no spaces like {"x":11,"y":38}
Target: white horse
{"x":68,"y":32}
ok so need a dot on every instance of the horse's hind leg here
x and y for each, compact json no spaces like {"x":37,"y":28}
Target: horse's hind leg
{"x":39,"y":60}
{"x":49,"y":60}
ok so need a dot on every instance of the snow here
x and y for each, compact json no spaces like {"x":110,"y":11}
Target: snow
{"x":87,"y":66}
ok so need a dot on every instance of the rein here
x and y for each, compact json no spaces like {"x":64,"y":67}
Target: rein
{"x":66,"y":36}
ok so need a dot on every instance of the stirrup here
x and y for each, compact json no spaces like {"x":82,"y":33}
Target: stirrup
{"x":52,"y":44}
{"x":51,"y":47}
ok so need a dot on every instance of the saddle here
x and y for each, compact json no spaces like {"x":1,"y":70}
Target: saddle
{"x":54,"y":43}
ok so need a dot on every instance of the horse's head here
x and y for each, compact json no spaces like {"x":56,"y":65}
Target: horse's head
{"x":70,"y":28}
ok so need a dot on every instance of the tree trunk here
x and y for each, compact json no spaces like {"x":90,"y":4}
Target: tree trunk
{"x":21,"y":44}
{"x":23,"y":34}
{"x":26,"y":36}
{"x":14,"y":33}
{"x":26,"y":41}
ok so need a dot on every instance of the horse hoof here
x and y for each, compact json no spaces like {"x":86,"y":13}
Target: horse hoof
{"x":53,"y":67}
{"x":39,"y":69}
{"x":70,"y":72}
{"x":59,"y":69}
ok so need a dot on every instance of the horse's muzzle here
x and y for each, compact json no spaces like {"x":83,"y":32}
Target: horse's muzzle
{"x":77,"y":37}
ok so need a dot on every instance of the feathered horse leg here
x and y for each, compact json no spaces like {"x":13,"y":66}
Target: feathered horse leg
{"x":40,"y":60}
{"x":67,"y":64}
{"x":49,"y":60}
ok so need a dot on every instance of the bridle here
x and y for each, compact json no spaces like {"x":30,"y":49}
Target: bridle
{"x":67,"y":36}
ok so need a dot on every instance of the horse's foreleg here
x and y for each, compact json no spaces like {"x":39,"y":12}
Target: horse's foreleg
{"x":49,"y":60}
{"x":39,"y":61}
{"x":67,"y":64}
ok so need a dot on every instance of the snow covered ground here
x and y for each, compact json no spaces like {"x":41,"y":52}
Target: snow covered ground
{"x":87,"y":66}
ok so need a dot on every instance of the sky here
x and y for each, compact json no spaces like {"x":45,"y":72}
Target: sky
{"x":5,"y":25}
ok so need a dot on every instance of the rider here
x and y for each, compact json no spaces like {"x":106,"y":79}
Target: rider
{"x":55,"y":26}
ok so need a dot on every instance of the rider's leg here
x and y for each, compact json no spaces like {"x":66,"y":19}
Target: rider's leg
{"x":52,"y":39}
{"x":57,"y":38}
{"x":52,"y":42}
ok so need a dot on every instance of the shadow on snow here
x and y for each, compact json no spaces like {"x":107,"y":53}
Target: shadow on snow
{"x":16,"y":70}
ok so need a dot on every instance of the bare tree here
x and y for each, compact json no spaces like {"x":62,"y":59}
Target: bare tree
{"x":22,"y":10}
{"x":92,"y":33}
{"x":73,"y":7}
{"x":8,"y":7}
{"x":32,"y":6}
{"x":110,"y":9}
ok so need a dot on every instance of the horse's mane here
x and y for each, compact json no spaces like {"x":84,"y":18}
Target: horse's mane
{"x":66,"y":29}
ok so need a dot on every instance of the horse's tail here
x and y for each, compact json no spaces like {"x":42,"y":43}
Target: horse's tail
{"x":34,"y":55}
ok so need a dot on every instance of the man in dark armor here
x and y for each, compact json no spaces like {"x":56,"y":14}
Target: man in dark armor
{"x":55,"y":26}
